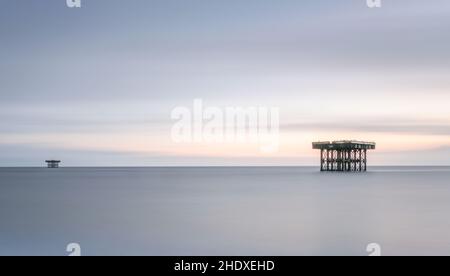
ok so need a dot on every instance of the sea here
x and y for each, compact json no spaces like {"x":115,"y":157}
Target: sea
{"x":231,"y":211}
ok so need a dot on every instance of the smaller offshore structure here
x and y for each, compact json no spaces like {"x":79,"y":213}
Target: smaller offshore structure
{"x":53,"y":164}
{"x":344,"y":156}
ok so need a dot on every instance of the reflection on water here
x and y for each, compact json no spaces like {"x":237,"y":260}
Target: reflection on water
{"x":224,"y":211}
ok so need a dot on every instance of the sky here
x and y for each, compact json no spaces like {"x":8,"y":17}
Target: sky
{"x":96,"y":86}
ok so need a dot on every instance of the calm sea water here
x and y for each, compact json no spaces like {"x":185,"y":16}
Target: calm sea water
{"x":224,"y":211}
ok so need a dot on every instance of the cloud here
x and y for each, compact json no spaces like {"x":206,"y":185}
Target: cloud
{"x":386,"y":126}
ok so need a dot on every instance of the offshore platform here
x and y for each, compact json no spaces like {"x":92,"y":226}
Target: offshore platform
{"x":53,"y":164}
{"x":343,"y":156}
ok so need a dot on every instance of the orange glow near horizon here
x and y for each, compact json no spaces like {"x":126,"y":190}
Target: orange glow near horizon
{"x":292,"y":144}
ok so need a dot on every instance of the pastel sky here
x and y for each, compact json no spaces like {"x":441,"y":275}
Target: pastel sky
{"x":96,"y":86}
